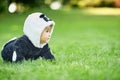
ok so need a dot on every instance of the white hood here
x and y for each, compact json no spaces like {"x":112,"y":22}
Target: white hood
{"x":34,"y":24}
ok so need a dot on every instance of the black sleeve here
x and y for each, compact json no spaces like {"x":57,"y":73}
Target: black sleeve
{"x":46,"y":53}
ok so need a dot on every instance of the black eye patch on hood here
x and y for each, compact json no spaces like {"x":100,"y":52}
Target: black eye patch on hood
{"x":45,"y":18}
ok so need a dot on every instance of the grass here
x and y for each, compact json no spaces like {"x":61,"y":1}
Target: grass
{"x":86,"y":47}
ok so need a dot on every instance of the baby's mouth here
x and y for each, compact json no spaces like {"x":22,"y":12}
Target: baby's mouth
{"x":48,"y":38}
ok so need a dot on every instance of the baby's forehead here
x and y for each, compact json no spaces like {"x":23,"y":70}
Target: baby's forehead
{"x":48,"y":27}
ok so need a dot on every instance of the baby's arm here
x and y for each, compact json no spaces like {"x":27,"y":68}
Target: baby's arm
{"x":46,"y":53}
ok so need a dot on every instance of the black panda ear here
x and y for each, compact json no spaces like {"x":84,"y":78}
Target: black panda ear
{"x":42,"y":16}
{"x":45,"y":18}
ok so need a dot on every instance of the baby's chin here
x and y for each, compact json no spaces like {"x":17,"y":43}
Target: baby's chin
{"x":47,"y":40}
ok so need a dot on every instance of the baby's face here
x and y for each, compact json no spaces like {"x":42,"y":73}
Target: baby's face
{"x":46,"y":35}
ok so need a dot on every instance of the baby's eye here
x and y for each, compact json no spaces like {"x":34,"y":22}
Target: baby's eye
{"x":47,"y":31}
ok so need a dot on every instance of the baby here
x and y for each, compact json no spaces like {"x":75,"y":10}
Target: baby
{"x":34,"y":43}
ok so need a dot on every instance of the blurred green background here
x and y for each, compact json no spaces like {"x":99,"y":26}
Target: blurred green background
{"x":85,"y":41}
{"x":22,"y":5}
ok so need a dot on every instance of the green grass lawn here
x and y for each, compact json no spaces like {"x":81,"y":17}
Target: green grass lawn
{"x":86,"y":47}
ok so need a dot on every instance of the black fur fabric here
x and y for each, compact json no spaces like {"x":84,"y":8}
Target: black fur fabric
{"x":25,"y":50}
